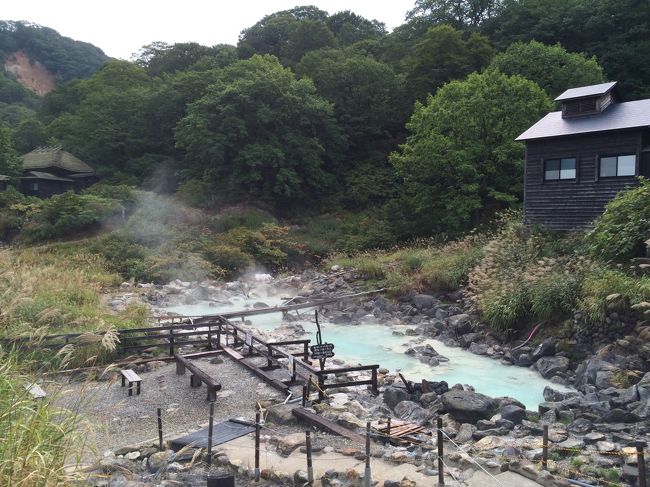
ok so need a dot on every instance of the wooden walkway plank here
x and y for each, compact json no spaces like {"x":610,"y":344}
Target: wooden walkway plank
{"x":327,"y":425}
{"x":238,"y":357}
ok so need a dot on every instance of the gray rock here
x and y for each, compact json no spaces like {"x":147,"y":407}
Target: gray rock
{"x":157,"y":461}
{"x":620,"y":416}
{"x":465,"y":432}
{"x":280,"y":415}
{"x":643,"y":409}
{"x":643,"y":387}
{"x":467,"y":406}
{"x":596,"y":371}
{"x":460,"y":324}
{"x":551,"y":394}
{"x":550,"y":366}
{"x":513,"y":413}
{"x":524,"y":360}
{"x":545,"y":349}
{"x":580,"y":426}
{"x":423,"y":301}
{"x":593,"y":437}
{"x":395,"y":395}
{"x":428,"y":399}
{"x":479,"y":348}
{"x":410,"y":411}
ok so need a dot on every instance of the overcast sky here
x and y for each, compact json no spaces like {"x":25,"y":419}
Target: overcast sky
{"x":121,"y":27}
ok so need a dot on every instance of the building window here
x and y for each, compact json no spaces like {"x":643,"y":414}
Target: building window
{"x":617,"y":166}
{"x":34,"y":186}
{"x":556,"y":169}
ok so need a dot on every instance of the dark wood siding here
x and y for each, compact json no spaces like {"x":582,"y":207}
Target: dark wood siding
{"x":574,"y":204}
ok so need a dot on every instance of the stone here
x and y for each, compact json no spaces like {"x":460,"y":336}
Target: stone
{"x":125,"y":449}
{"x":349,"y":421}
{"x":289,"y":443}
{"x":428,"y":398}
{"x":524,"y":360}
{"x":545,"y":349}
{"x":489,"y":443}
{"x":460,"y":323}
{"x":642,"y":411}
{"x":410,"y":411}
{"x":395,"y":395}
{"x":620,"y":416}
{"x":596,"y":371}
{"x":423,"y":301}
{"x":465,"y":432}
{"x":572,"y":444}
{"x":479,"y":348}
{"x":158,"y":461}
{"x":550,"y":366}
{"x":580,"y":426}
{"x":606,"y":446}
{"x":593,"y":437}
{"x":513,"y":413}
{"x":280,"y":415}
{"x":132,"y":455}
{"x":467,"y":406}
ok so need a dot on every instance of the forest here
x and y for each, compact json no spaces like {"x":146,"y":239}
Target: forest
{"x":410,"y":131}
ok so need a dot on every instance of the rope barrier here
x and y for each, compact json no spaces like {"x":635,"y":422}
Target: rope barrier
{"x":472,"y":458}
{"x":449,"y":472}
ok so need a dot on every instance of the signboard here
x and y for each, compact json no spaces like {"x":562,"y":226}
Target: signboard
{"x":248,"y":339}
{"x":290,"y":364}
{"x":322,"y":351}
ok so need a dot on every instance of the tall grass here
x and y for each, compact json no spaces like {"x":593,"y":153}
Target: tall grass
{"x":36,"y":438}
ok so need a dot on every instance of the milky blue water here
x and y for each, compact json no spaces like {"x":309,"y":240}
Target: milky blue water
{"x":375,"y":344}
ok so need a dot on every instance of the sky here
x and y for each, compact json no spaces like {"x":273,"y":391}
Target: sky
{"x":120,"y":27}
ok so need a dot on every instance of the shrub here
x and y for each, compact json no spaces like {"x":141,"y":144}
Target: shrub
{"x":232,"y":260}
{"x":449,"y":267}
{"x":249,"y":218}
{"x":119,"y":192}
{"x":196,"y":193}
{"x":620,"y":231}
{"x":37,"y":437}
{"x":122,"y":255}
{"x":67,"y":214}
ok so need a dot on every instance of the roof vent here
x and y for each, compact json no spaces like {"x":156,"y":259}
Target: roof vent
{"x":587,"y":100}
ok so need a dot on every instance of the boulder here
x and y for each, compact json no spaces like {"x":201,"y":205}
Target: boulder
{"x":545,"y":349}
{"x":423,"y":301}
{"x":550,"y":366}
{"x":513,"y":413}
{"x":460,"y":324}
{"x":479,"y":348}
{"x":280,"y":415}
{"x":596,"y":371}
{"x":395,"y":395}
{"x":643,"y":387}
{"x":157,"y":461}
{"x":465,"y":432}
{"x":410,"y":411}
{"x":349,"y":421}
{"x":642,"y":410}
{"x":289,"y":443}
{"x":468,"y":406}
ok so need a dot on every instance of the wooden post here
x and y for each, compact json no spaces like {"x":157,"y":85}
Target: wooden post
{"x":210,"y":336}
{"x":305,"y":352}
{"x":545,"y":448}
{"x":269,"y":351}
{"x":210,"y":428}
{"x":160,"y":432}
{"x":366,"y":476}
{"x":640,"y":461}
{"x":388,"y":427}
{"x":441,"y":467}
{"x":171,"y":341}
{"x":257,"y":447}
{"x":321,"y":385}
{"x":304,"y":395}
{"x":219,"y":334}
{"x":310,"y":468}
{"x":375,"y":390}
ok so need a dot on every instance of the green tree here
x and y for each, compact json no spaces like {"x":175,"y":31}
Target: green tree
{"x":551,"y":67}
{"x":306,"y":35}
{"x":617,"y":32}
{"x":461,"y":160}
{"x":443,"y":54}
{"x":29,"y":135}
{"x":10,"y":164}
{"x":349,"y":28}
{"x":271,"y":34}
{"x":260,"y":134}
{"x":159,"y":57}
{"x":459,"y":13}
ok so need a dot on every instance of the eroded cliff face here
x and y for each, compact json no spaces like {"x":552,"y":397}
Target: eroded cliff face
{"x":29,"y":73}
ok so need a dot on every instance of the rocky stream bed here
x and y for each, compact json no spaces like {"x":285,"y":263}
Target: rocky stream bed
{"x":596,"y":417}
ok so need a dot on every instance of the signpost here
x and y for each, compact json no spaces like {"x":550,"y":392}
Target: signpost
{"x":321,"y":351}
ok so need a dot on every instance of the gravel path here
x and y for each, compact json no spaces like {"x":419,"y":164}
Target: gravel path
{"x":111,"y":419}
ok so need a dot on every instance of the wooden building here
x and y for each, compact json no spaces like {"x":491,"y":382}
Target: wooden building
{"x":578,"y":158}
{"x":50,"y":170}
{"x":4,"y":181}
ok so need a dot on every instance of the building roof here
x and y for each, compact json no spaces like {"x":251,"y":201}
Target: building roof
{"x":44,"y":175}
{"x":4,"y":178}
{"x":584,"y":91}
{"x":619,"y":116}
{"x":45,"y":157}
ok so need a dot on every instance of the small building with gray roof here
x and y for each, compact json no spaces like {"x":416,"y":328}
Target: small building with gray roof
{"x":51,"y":170}
{"x":580,"y":157}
